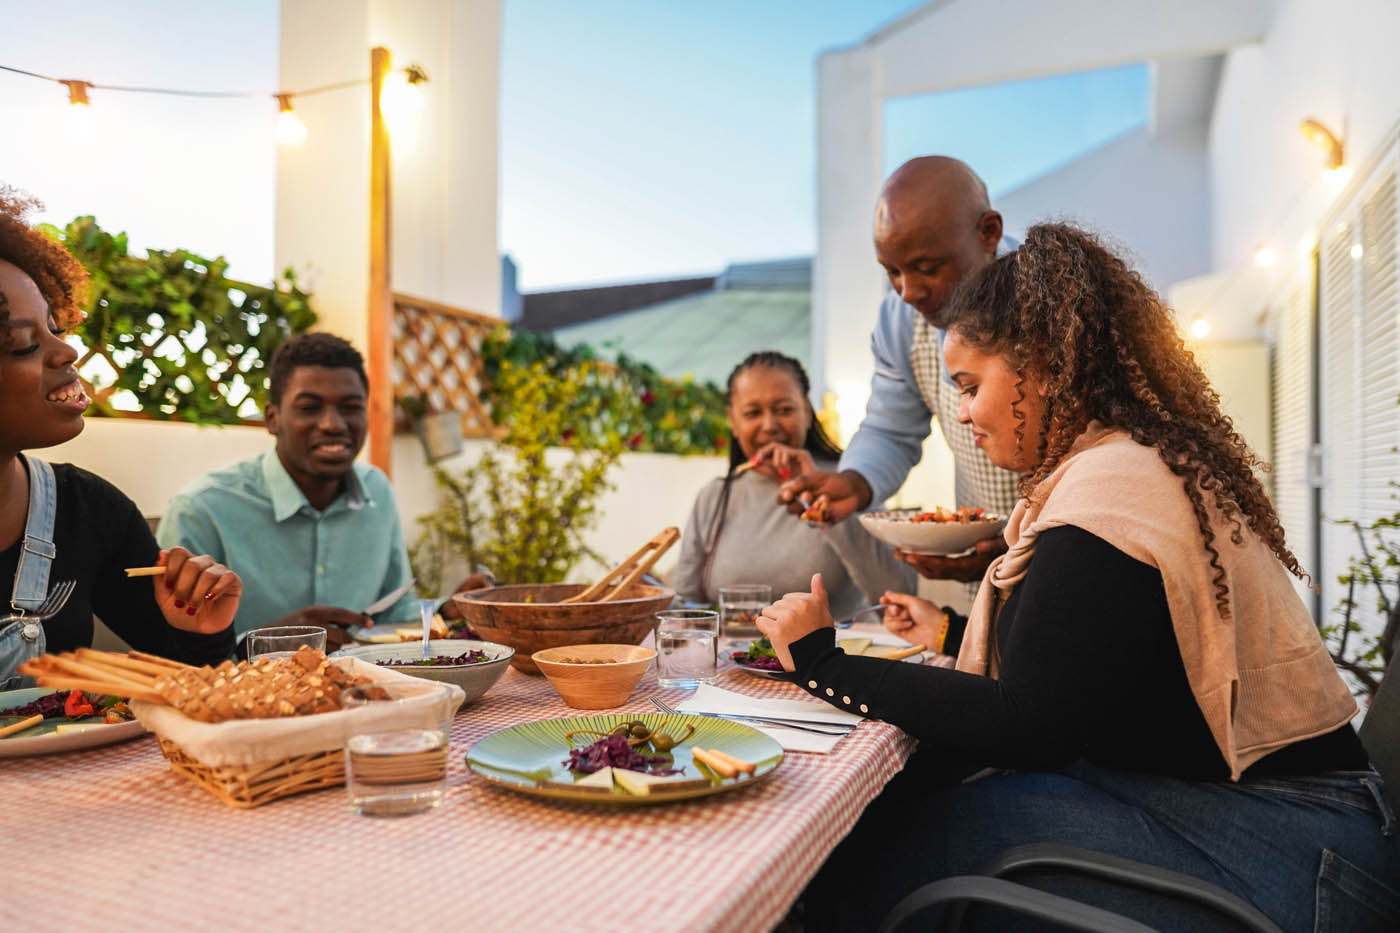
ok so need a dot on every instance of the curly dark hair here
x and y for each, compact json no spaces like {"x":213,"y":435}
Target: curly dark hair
{"x":61,"y":279}
{"x":1069,"y":310}
{"x":817,"y":442}
{"x":313,"y":349}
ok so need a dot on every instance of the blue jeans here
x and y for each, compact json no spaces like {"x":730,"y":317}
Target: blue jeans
{"x":1310,"y":852}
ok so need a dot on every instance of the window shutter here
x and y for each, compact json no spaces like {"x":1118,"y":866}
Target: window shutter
{"x":1380,"y":353}
{"x":1292,"y":417}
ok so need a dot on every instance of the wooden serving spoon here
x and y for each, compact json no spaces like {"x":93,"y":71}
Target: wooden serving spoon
{"x":658,"y":545}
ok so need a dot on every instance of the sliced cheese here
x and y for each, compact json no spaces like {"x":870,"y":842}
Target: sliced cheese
{"x":635,"y":782}
{"x":78,"y":726}
{"x":855,"y":645}
{"x":603,"y":777}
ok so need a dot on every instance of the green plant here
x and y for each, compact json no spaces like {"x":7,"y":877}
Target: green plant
{"x":184,"y":340}
{"x":1375,"y":567}
{"x":515,"y":511}
{"x":650,"y":412}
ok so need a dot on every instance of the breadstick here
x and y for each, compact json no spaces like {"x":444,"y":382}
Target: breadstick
{"x":76,"y":667}
{"x":145,"y":571}
{"x":717,"y":765}
{"x":22,"y":725}
{"x":905,"y":653}
{"x":112,"y":659}
{"x":156,"y":659}
{"x":740,"y":764}
{"x":120,"y":672}
{"x":65,"y":682}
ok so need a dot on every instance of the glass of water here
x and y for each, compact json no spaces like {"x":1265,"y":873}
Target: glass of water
{"x":282,"y":641}
{"x":396,"y":755}
{"x":740,"y":605}
{"x":687,"y":647}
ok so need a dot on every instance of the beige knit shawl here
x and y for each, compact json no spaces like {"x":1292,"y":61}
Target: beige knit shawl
{"x":1262,"y":677}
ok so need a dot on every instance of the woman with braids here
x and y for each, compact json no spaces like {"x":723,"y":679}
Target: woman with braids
{"x":738,"y":534}
{"x":1139,"y":659}
{"x":60,"y":523}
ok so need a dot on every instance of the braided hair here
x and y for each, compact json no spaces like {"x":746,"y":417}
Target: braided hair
{"x":817,"y":443}
{"x":1071,"y":311}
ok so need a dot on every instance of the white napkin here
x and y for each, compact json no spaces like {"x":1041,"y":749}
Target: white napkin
{"x":711,"y":699}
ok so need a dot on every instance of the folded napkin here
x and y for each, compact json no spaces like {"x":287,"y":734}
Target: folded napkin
{"x":711,"y":699}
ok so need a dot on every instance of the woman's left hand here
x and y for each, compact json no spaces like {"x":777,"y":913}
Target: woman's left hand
{"x":197,"y":594}
{"x":793,"y":616}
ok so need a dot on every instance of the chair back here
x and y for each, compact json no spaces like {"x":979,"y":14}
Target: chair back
{"x":1380,"y":732}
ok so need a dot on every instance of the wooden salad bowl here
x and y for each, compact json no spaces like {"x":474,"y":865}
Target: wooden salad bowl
{"x":530,"y":617}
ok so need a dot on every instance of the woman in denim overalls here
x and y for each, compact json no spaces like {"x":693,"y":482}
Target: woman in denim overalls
{"x":41,"y":404}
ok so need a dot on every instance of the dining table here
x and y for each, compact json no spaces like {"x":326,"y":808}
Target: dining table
{"x":111,"y":838}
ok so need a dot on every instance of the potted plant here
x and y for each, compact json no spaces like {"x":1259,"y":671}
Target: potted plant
{"x":522,"y":509}
{"x":440,"y":432}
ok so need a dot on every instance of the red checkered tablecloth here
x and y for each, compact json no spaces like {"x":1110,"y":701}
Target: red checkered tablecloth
{"x":110,"y":838}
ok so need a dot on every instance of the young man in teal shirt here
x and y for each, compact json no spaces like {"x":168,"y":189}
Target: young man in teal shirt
{"x":315,"y":535}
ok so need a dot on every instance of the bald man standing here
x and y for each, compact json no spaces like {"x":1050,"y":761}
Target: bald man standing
{"x":934,"y":227}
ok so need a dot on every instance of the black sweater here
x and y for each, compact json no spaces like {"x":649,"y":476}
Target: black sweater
{"x":1089,"y":669}
{"x":98,"y":532}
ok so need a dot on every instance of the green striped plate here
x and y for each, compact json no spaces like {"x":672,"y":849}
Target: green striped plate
{"x":530,"y":757}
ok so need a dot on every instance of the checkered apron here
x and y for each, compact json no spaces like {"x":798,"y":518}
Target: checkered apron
{"x":978,"y":483}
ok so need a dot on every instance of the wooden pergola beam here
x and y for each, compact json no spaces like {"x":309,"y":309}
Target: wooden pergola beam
{"x":381,"y":294}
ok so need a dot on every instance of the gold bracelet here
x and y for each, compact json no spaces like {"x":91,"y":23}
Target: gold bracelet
{"x":942,"y":635}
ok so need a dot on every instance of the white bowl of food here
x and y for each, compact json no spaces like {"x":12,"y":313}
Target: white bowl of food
{"x":939,"y":532}
{"x":475,"y":666}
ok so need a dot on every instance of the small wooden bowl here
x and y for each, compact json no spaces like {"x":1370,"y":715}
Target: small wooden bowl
{"x":604,"y":684}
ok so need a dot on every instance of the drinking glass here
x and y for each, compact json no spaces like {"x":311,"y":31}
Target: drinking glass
{"x":396,"y":755}
{"x":739,"y":608}
{"x":282,"y":641}
{"x":687,"y":647}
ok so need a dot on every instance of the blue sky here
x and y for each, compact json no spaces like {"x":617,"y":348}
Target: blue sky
{"x":645,"y":140}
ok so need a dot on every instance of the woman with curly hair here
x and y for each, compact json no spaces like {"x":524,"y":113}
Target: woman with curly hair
{"x":1139,"y":659}
{"x":59,"y":522}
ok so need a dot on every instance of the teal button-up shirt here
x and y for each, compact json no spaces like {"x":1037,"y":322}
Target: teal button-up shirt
{"x":252,"y":517}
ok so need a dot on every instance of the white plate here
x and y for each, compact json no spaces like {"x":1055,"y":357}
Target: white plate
{"x":50,"y":742}
{"x":934,"y":538}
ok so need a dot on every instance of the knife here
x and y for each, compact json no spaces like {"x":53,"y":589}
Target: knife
{"x":384,"y":602}
{"x":830,"y":728}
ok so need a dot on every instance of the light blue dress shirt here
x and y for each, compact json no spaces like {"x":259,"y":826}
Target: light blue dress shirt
{"x":252,"y":516}
{"x":890,"y":439}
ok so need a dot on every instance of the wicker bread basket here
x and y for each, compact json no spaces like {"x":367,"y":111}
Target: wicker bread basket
{"x":250,"y":762}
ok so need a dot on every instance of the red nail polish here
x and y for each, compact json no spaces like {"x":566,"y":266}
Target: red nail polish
{"x":179,"y":604}
{"x":169,"y":583}
{"x":190,"y":611}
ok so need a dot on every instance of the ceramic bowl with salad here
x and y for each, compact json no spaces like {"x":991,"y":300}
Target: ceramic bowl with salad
{"x":475,"y":666}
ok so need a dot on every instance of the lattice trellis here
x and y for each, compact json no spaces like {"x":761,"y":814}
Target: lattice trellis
{"x":437,"y":357}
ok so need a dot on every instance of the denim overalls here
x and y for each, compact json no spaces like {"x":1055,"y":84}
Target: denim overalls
{"x":24,"y":639}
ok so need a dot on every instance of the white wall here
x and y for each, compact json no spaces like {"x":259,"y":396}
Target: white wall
{"x":171,"y":171}
{"x":444,"y":162}
{"x":1149,"y":197}
{"x":1332,"y":60}
{"x":150,"y":461}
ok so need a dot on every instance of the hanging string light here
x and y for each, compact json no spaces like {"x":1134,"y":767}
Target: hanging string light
{"x":291,"y":130}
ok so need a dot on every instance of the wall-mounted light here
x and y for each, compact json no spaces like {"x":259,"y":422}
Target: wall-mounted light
{"x":1324,"y":139}
{"x":1356,"y":251}
{"x":1265,"y":257}
{"x":290,"y":130}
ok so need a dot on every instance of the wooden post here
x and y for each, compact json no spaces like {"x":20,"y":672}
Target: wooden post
{"x":381,"y":295}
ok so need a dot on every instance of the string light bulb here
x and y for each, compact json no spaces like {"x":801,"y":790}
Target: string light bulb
{"x":402,"y":95}
{"x":1265,"y":257}
{"x":1323,"y":138}
{"x":291,"y":131}
{"x":1200,"y":328}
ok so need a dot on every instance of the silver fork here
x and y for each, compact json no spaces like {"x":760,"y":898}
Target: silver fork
{"x":830,"y":729}
{"x":51,"y":606}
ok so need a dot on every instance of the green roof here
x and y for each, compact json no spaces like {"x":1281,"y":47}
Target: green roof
{"x":704,"y":335}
